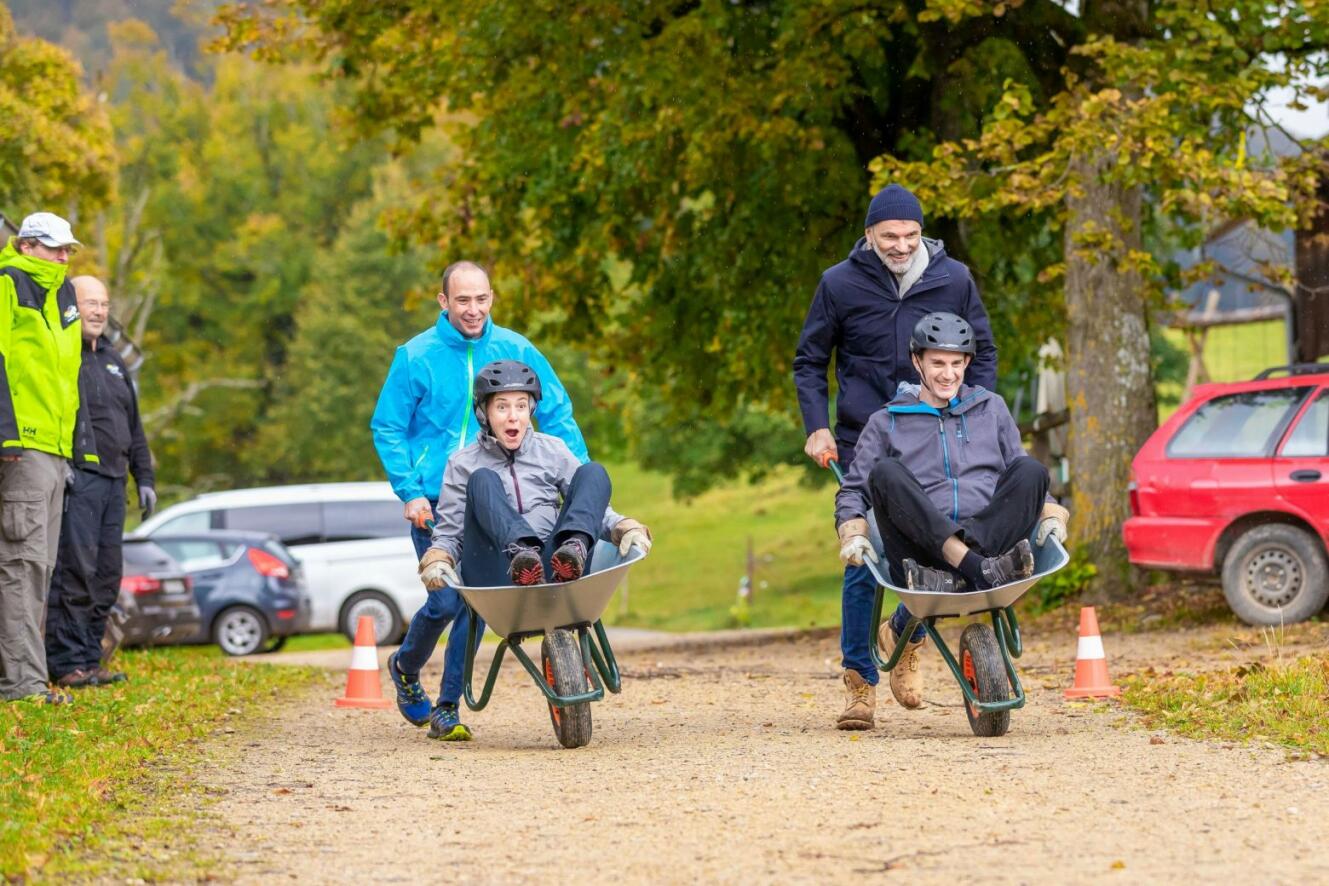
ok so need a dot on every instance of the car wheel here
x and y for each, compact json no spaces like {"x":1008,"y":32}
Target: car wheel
{"x":1276,"y":574}
{"x":387,"y":620}
{"x":240,"y":630}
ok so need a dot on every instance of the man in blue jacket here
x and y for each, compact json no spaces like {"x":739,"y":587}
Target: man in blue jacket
{"x":863,"y":312}
{"x":424,"y":414}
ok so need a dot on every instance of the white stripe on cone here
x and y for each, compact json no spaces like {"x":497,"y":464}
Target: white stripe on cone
{"x":365,"y":658}
{"x":1090,"y":647}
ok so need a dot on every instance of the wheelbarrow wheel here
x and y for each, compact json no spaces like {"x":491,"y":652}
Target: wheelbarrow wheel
{"x":565,"y":673}
{"x":984,"y":671}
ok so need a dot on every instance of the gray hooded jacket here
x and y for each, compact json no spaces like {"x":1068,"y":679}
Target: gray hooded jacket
{"x":957,"y":453}
{"x":535,"y":477}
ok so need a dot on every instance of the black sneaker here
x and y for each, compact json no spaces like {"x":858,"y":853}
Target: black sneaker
{"x":925,"y":578}
{"x":445,"y":724}
{"x":569,"y":561}
{"x":1015,"y":564}
{"x":526,"y":568}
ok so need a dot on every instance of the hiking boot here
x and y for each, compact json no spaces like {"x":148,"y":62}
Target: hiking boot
{"x":412,"y":700}
{"x":860,"y":702}
{"x":925,"y":578}
{"x":569,"y":561}
{"x":1015,"y":564}
{"x":103,"y":677}
{"x":76,"y":679}
{"x":526,"y":568}
{"x":446,"y":725}
{"x":906,"y":679}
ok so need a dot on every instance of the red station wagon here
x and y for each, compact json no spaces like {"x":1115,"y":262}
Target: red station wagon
{"x":1237,"y":482}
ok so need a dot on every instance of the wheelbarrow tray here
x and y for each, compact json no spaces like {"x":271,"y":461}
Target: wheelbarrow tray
{"x":1048,"y":558}
{"x":526,"y":609}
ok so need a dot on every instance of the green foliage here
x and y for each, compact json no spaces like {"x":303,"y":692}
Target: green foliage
{"x":1062,"y":587}
{"x":56,"y":152}
{"x":69,"y":774}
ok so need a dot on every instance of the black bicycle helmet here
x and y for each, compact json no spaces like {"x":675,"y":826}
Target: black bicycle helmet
{"x":500,"y":377}
{"x":943,"y":331}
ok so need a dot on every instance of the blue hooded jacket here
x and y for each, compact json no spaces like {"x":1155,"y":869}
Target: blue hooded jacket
{"x":425,"y":413}
{"x":857,"y":312}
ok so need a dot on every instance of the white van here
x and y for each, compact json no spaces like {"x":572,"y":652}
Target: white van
{"x":351,"y":539}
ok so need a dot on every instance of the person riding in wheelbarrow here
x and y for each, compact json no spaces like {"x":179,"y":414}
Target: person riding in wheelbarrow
{"x":954,"y":496}
{"x":516,"y":508}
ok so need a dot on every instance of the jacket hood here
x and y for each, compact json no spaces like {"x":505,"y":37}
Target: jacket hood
{"x":454,"y":339}
{"x":863,"y":255}
{"x":48,"y":274}
{"x":908,"y":402}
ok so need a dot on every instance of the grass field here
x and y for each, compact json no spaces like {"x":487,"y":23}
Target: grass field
{"x":86,"y":788}
{"x":1231,"y":353}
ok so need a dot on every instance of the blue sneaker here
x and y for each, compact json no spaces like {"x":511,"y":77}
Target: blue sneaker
{"x":446,"y":725}
{"x":412,"y":700}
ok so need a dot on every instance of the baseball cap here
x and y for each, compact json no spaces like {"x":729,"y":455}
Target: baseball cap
{"x":48,"y":229}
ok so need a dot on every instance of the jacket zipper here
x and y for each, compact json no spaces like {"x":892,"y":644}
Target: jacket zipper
{"x":59,"y":361}
{"x":470,"y":395}
{"x":516,"y":487}
{"x":946,"y":462}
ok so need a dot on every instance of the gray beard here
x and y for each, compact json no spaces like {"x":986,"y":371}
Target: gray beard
{"x":895,"y":267}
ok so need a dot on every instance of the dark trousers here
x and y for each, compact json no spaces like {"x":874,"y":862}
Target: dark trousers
{"x":86,"y":580}
{"x":491,"y":525}
{"x":912,"y":526}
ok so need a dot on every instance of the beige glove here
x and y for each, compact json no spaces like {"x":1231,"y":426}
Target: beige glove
{"x":437,"y":569}
{"x":628,"y":533}
{"x":854,"y":544}
{"x":1052,"y":522}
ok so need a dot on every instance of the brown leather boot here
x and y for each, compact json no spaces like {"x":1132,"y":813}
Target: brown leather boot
{"x":860,"y":702}
{"x":906,"y":679}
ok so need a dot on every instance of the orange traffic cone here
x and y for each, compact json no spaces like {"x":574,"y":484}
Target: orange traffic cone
{"x":1091,"y":675}
{"x":362,"y":686}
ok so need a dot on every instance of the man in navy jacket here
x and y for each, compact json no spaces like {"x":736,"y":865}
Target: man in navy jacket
{"x":864,"y":311}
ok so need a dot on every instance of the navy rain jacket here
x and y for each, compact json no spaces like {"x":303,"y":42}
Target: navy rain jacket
{"x":857,"y":313}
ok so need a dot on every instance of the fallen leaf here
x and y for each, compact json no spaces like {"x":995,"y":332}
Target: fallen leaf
{"x":1154,"y":739}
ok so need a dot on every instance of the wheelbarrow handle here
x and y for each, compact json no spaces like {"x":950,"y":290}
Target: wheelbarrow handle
{"x":832,"y":462}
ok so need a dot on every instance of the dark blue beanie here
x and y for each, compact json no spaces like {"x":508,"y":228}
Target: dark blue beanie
{"x":894,"y":203}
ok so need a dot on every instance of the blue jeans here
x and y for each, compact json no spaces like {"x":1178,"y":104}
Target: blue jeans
{"x":441,"y":607}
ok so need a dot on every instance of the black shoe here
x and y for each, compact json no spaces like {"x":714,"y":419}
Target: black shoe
{"x":526,"y":568}
{"x":925,"y":578}
{"x":569,"y":561}
{"x":1015,"y":564}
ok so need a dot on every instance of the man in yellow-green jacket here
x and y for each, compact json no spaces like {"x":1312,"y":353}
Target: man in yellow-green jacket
{"x":40,"y":352}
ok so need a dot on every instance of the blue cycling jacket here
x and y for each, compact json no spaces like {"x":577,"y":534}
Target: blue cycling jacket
{"x":425,"y":411}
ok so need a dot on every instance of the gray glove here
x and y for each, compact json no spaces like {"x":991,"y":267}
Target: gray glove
{"x":147,"y":500}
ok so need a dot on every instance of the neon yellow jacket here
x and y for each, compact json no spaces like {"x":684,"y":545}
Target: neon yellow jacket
{"x":41,"y":343}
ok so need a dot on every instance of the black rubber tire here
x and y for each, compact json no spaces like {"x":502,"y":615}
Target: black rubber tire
{"x":1275,"y":574}
{"x":240,"y":630}
{"x":275,"y":644}
{"x":981,"y":664}
{"x":389,"y":633}
{"x":565,"y":672}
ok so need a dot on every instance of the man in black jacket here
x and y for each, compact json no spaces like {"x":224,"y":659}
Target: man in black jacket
{"x":864,"y":311}
{"x":88,"y":567}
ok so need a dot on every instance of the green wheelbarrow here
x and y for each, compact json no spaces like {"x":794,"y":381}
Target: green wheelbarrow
{"x":577,"y":664}
{"x":985,"y":667}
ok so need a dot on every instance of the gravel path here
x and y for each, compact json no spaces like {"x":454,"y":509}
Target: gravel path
{"x":721,"y":764}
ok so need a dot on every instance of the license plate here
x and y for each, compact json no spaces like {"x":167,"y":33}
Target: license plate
{"x":173,"y":586}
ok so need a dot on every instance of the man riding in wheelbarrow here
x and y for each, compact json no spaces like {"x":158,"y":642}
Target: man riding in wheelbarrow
{"x":516,"y":507}
{"x":954,"y":495}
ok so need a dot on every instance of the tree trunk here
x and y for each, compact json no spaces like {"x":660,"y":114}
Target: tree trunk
{"x":1109,"y":380}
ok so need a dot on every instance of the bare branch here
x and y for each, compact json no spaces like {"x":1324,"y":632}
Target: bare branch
{"x":164,"y":415}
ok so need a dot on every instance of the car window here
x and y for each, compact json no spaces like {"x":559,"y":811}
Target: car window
{"x":146,"y":556}
{"x":1310,"y":437}
{"x":199,"y":521}
{"x":1245,"y":425}
{"x":352,"y":520}
{"x":195,"y":554}
{"x":294,"y":524}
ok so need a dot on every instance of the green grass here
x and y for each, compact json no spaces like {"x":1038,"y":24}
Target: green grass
{"x":1231,"y":353}
{"x":690,"y":581}
{"x":1286,"y":703}
{"x":93,"y":789}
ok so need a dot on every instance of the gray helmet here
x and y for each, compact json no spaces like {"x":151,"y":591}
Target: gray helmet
{"x":499,"y":377}
{"x":943,"y":331}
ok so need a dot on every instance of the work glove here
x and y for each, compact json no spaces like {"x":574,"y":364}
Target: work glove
{"x":854,"y":544}
{"x":147,"y":500}
{"x":1052,"y":522}
{"x":419,"y":512}
{"x":437,"y":570}
{"x":628,"y":534}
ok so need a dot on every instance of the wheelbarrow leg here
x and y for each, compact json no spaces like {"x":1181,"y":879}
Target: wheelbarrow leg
{"x":472,"y":647}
